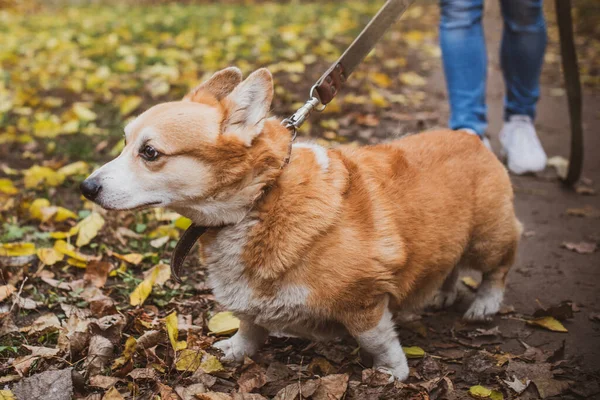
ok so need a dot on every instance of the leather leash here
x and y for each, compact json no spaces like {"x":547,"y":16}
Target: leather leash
{"x":327,"y":87}
{"x":573,"y":87}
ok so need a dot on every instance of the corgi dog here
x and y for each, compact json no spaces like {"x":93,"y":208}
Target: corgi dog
{"x":326,"y":242}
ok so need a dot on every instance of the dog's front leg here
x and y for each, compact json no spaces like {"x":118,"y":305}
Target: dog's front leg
{"x":246,"y":342}
{"x":381,"y":342}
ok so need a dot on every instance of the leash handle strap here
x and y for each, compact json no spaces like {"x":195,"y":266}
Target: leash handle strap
{"x":332,"y":80}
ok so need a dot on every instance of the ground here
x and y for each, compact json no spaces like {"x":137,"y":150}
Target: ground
{"x":101,"y":319}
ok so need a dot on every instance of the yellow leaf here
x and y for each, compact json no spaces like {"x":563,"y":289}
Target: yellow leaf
{"x":470,"y":282}
{"x":550,"y":323}
{"x":89,"y":228}
{"x":122,"y":268}
{"x":37,"y":175}
{"x":76,"y":263}
{"x":64,"y":235}
{"x":412,"y":79}
{"x":17,"y":249}
{"x":223,"y":323}
{"x":49,"y":256}
{"x":83,"y":113}
{"x":211,"y":364}
{"x":129,"y":104}
{"x":183,"y":223}
{"x":6,"y":395}
{"x":496,"y":395}
{"x":173,"y":331}
{"x":143,"y":290}
{"x":69,"y":250}
{"x":378,"y":100}
{"x":130,"y":345}
{"x":36,"y":208}
{"x":162,"y":273}
{"x":112,"y":394}
{"x":7,"y":186}
{"x":132,"y":258}
{"x":63,"y":214}
{"x":380,"y":79}
{"x":480,"y":392}
{"x":189,"y":360}
{"x":76,"y":168}
{"x":414,"y":352}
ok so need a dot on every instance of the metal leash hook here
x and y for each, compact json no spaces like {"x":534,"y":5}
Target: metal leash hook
{"x":297,"y":119}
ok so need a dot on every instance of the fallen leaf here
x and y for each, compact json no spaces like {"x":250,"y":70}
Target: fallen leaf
{"x":36,"y":175}
{"x":162,"y":273}
{"x":76,"y":168}
{"x":189,"y":360}
{"x":548,"y":323}
{"x":132,"y":258}
{"x":96,"y":273}
{"x":99,"y":352}
{"x":113,"y":394}
{"x":6,"y":291}
{"x":332,"y":387}
{"x":23,"y":364}
{"x":6,"y":395}
{"x":223,"y":323}
{"x":7,"y":187}
{"x":103,"y":382}
{"x":412,"y":79}
{"x":414,"y":352}
{"x":83,"y":113}
{"x":470,"y":282}
{"x":89,"y":228}
{"x":43,"y":323}
{"x":173,"y":332}
{"x":190,"y":392}
{"x":143,"y":290}
{"x":584,"y":212}
{"x":130,"y":345}
{"x":17,"y":249}
{"x":143,"y":373}
{"x":213,"y":396}
{"x":211,"y":364}
{"x":69,"y":250}
{"x":581,"y":247}
{"x":540,"y":374}
{"x":129,"y":104}
{"x":516,"y":385}
{"x":49,"y":256}
{"x":252,"y":378}
{"x":480,"y":392}
{"x":560,"y":164}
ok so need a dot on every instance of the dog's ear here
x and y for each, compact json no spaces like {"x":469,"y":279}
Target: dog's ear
{"x":219,"y":85}
{"x":248,"y":105}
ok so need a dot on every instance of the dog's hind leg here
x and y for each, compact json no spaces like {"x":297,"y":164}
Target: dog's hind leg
{"x":448,"y":293}
{"x":494,"y":270}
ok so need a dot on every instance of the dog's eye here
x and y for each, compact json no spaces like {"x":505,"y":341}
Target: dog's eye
{"x":149,"y":153}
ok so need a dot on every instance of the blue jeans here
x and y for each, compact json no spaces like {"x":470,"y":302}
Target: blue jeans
{"x":465,"y":59}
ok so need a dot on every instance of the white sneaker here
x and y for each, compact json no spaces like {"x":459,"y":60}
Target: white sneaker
{"x":522,"y":148}
{"x":484,"y":139}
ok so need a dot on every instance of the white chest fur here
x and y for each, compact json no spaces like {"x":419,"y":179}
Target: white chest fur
{"x":285,"y":311}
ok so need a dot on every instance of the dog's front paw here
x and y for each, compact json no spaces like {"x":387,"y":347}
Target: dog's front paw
{"x":399,"y":372}
{"x":234,"y":350}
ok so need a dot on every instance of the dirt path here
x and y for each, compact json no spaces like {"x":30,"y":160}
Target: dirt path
{"x":545,"y":271}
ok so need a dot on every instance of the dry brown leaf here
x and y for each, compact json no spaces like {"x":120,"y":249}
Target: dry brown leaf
{"x":44,"y":323}
{"x":96,"y":273}
{"x":253,"y":377}
{"x":103,"y":382}
{"x":190,"y":392}
{"x":540,"y":374}
{"x":23,"y":364}
{"x":99,"y":352}
{"x":6,"y":291}
{"x":143,"y":373}
{"x":213,"y":396}
{"x":166,"y":392}
{"x":585,"y":212}
{"x":332,"y":387}
{"x":581,"y":247}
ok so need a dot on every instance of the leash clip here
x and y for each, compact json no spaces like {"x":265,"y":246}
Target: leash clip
{"x":297,"y":119}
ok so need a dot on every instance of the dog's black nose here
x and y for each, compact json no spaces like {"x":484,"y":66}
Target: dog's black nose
{"x":90,"y":188}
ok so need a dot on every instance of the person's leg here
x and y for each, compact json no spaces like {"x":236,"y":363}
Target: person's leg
{"x":521,"y":58}
{"x":465,"y":63}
